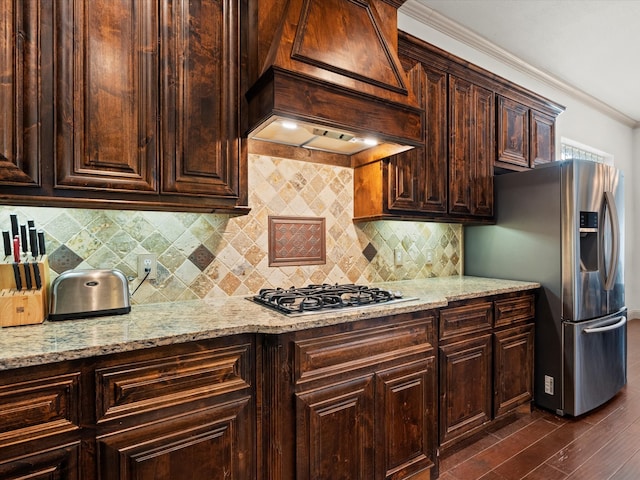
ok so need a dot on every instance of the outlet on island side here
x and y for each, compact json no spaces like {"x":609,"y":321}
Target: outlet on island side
{"x":147,"y":262}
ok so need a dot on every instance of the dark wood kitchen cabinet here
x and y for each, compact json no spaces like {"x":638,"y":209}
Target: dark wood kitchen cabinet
{"x":526,"y":137}
{"x":181,"y":411}
{"x":26,"y":101}
{"x":476,"y":124}
{"x":451,"y":176}
{"x":486,"y":364}
{"x":41,"y":419}
{"x":147,"y":100}
{"x":352,"y":401}
{"x":471,"y":147}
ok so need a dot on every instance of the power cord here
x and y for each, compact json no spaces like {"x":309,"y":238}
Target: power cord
{"x":147,"y":271}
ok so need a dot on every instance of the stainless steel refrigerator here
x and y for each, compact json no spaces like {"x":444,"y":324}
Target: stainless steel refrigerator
{"x":562,"y":225}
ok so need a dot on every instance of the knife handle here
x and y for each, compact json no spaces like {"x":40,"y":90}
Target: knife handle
{"x":16,"y":276}
{"x":33,"y":238}
{"x":36,"y":275}
{"x":43,"y":250}
{"x":27,"y":275}
{"x":6,"y":238}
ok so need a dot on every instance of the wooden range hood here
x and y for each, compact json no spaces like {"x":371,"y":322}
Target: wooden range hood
{"x":332,"y":67}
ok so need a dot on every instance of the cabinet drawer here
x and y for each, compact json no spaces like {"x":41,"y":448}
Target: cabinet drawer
{"x":42,"y":406}
{"x":514,"y":310}
{"x":152,"y":385}
{"x":351,"y":351}
{"x":465,"y":319}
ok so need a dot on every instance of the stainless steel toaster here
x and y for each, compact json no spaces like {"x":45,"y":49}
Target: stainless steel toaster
{"x":89,"y":293}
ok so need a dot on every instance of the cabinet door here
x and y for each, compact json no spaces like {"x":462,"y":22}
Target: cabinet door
{"x":542,"y":138}
{"x":107,"y":91}
{"x":406,"y":419}
{"x":513,"y":350}
{"x":335,"y":431}
{"x":470,"y":148}
{"x":206,"y":444}
{"x":25,"y":96}
{"x":200,"y":92}
{"x":404,"y":170}
{"x":513,"y":132}
{"x":465,"y":388}
{"x":418,"y":177}
{"x":62,"y":463}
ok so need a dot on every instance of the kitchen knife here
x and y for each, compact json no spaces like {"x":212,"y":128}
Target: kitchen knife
{"x":14,"y":225}
{"x":7,"y":243}
{"x":33,"y":239}
{"x":43,"y":249}
{"x":31,"y":223}
{"x":36,"y":275}
{"x":16,"y":276}
{"x":23,"y":239}
{"x":16,"y":263}
{"x":16,"y":249}
{"x":27,"y":275}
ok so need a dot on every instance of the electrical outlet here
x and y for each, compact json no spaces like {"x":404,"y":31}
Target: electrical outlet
{"x":398,"y":255}
{"x":429,"y":257}
{"x":147,"y":262}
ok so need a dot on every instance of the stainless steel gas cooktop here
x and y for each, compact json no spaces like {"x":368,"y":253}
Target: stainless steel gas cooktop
{"x":323,"y":297}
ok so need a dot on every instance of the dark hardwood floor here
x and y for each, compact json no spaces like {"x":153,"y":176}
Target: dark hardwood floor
{"x":603,"y":444}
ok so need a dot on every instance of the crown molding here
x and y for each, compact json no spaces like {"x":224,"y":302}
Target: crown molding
{"x":437,"y":21}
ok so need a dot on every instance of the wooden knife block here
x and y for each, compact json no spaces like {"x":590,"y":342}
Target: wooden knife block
{"x":23,"y":307}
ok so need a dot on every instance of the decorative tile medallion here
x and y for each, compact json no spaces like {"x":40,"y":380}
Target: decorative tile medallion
{"x":297,"y":241}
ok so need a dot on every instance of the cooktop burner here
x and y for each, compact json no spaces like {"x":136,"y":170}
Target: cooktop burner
{"x":313,"y":298}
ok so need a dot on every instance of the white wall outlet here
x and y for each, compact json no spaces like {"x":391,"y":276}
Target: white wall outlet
{"x":548,"y":385}
{"x":398,"y":256}
{"x":429,"y":257}
{"x":147,"y":261}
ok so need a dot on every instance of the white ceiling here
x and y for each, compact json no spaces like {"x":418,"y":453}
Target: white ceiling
{"x":590,"y":45}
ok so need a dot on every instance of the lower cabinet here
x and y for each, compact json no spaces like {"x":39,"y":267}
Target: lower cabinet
{"x":181,"y":411}
{"x":352,"y":401}
{"x":485,"y":364}
{"x":364,"y":401}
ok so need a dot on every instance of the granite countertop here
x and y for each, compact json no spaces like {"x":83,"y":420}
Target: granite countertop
{"x":166,"y":323}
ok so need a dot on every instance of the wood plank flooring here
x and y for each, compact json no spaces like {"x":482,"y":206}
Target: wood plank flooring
{"x":601,"y":445}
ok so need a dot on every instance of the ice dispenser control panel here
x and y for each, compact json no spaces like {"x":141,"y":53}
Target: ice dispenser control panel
{"x":588,"y":241}
{"x":588,"y":220}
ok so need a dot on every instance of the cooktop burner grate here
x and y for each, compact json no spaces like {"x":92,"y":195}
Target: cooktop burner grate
{"x":313,"y":298}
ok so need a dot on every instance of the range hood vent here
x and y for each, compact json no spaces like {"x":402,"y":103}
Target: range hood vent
{"x":332,"y":67}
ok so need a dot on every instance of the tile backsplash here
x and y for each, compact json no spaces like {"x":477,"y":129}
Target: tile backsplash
{"x":204,"y":255}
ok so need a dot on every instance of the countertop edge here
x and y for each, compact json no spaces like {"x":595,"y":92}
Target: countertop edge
{"x":134,"y":331}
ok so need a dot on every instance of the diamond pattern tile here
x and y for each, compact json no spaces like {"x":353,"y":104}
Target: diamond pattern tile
{"x":205,"y":255}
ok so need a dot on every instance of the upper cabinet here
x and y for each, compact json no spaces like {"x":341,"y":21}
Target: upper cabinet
{"x":141,"y":100}
{"x":526,"y":137}
{"x":476,"y":124}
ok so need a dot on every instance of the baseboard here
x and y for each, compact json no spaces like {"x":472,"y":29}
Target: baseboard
{"x":633,"y":315}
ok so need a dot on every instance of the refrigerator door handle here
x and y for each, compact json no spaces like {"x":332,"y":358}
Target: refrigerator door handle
{"x":609,"y":205}
{"x":620,"y":322}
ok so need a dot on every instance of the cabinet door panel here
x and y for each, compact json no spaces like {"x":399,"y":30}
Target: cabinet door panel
{"x":460,"y":146}
{"x":200,"y":98}
{"x":513,"y":132}
{"x":107,"y":91}
{"x":61,"y":463}
{"x":513,"y":350}
{"x":471,"y":149}
{"x":482,"y":153}
{"x":404,"y":170}
{"x":543,"y":141}
{"x":24,"y":101}
{"x":406,"y":407}
{"x":465,"y":387}
{"x":335,"y":431}
{"x":213,"y":443}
